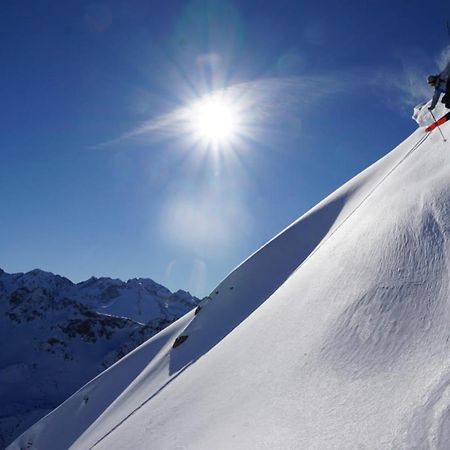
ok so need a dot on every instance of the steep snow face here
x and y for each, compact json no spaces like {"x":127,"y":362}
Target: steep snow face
{"x":53,"y":344}
{"x":334,"y":335}
{"x":120,"y":381}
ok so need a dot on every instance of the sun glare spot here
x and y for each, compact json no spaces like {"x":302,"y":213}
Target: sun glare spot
{"x":214,"y":120}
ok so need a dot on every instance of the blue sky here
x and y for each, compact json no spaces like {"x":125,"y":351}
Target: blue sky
{"x":97,"y":174}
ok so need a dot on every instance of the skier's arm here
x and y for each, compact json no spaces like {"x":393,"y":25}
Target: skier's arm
{"x":435,"y":99}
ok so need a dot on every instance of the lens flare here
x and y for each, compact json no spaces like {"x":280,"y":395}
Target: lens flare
{"x":214,"y":120}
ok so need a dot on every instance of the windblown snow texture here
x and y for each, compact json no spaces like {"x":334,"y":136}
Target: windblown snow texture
{"x":334,"y":335}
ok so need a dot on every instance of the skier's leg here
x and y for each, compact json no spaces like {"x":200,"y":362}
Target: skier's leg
{"x":446,"y":97}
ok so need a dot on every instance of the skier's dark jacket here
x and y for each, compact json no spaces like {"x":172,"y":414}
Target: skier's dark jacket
{"x":441,"y":85}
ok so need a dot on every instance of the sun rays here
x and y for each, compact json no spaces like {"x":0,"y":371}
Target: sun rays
{"x":215,"y":121}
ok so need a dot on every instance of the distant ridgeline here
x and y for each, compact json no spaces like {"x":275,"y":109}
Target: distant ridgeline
{"x":58,"y":335}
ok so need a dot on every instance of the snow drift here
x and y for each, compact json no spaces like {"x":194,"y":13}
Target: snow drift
{"x":334,"y":335}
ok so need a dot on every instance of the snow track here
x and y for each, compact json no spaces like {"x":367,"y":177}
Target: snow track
{"x":413,"y":149}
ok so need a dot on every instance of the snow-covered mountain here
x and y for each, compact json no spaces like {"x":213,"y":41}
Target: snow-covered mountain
{"x":334,"y":335}
{"x":139,"y":299}
{"x":56,"y":336}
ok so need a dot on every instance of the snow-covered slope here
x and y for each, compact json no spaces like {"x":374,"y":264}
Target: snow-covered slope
{"x":334,"y":335}
{"x":52,"y":343}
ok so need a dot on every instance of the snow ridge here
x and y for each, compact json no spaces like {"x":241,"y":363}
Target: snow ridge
{"x":56,"y":343}
{"x":334,"y":335}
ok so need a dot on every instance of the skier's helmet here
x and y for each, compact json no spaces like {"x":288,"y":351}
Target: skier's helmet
{"x":432,"y":80}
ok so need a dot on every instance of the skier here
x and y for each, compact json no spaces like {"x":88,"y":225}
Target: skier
{"x":441,"y":84}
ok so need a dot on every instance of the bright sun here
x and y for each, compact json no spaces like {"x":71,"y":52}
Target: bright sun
{"x":214,"y":120}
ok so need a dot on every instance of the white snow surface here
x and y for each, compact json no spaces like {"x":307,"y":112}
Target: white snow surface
{"x":423,"y":116}
{"x":53,"y":343}
{"x":334,"y":335}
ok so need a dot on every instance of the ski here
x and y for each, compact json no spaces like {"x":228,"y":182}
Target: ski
{"x":438,"y":122}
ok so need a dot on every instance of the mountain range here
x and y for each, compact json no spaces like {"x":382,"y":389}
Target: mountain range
{"x":57,"y":335}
